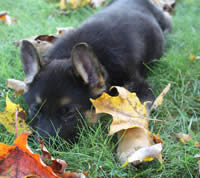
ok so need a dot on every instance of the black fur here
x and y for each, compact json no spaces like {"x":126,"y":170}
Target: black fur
{"x":123,"y":36}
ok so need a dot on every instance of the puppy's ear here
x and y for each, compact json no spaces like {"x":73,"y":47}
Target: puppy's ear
{"x":86,"y":64}
{"x":173,"y":4}
{"x":30,"y":61}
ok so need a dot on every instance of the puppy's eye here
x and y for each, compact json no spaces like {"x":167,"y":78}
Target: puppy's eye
{"x":63,"y":110}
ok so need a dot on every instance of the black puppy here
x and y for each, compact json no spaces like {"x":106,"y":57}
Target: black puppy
{"x":110,"y":48}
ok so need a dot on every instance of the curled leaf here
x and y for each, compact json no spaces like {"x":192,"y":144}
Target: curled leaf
{"x":58,"y":166}
{"x":159,"y":100}
{"x":42,"y":43}
{"x":17,"y":85}
{"x":145,"y":154}
{"x":126,"y":109}
{"x":130,"y":121}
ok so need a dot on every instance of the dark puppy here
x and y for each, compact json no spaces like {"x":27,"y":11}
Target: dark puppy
{"x":110,"y":48}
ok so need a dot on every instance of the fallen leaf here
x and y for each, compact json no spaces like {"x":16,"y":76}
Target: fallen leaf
{"x":6,"y":18}
{"x":17,"y":85}
{"x":8,"y":118}
{"x":3,"y":15}
{"x":57,"y":165}
{"x":184,"y":138}
{"x":166,"y":5}
{"x":42,"y":43}
{"x":74,"y":4}
{"x":18,"y":161}
{"x":196,"y":144}
{"x":63,"y":5}
{"x":48,"y":38}
{"x":126,"y":109}
{"x":193,"y":58}
{"x":159,"y":100}
{"x":69,"y":174}
{"x":130,"y":121}
{"x":145,"y":154}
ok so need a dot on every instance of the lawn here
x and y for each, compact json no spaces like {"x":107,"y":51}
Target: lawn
{"x":95,"y":150}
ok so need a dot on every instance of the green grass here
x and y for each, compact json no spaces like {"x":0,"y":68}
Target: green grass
{"x":95,"y":150}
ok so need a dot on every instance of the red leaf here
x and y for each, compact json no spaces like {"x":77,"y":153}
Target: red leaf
{"x":18,"y":161}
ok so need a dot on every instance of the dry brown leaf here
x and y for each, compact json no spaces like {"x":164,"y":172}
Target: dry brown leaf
{"x":58,"y":166}
{"x":184,"y":138}
{"x":159,"y":100}
{"x":137,"y":145}
{"x":166,"y":5}
{"x":196,"y":144}
{"x":42,"y":43}
{"x":17,"y":85}
{"x":130,"y":120}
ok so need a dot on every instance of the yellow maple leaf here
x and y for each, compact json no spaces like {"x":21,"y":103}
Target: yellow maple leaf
{"x":130,"y":121}
{"x":126,"y":109}
{"x":8,"y":118}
